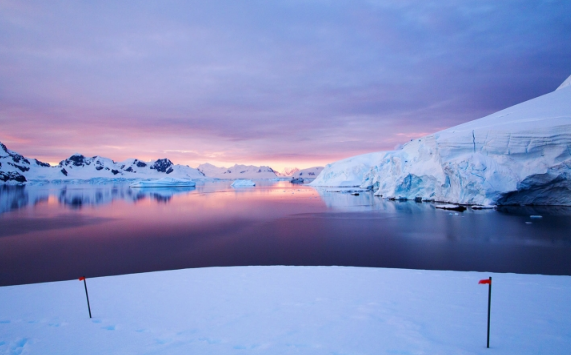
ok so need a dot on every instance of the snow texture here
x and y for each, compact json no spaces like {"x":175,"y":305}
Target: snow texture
{"x":243,"y":183}
{"x":520,"y":155}
{"x":289,"y":310}
{"x":237,"y":172}
{"x":164,"y":182}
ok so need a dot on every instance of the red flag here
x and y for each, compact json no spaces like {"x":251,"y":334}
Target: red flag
{"x":81,"y":278}
{"x":485,"y":281}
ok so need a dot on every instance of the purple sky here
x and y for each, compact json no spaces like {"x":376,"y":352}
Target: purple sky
{"x":279,"y":83}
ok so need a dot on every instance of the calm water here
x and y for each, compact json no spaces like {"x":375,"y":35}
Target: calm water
{"x":60,"y":232}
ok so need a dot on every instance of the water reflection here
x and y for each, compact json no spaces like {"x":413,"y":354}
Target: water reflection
{"x":53,"y":232}
{"x":79,"y":196}
{"x":367,"y":201}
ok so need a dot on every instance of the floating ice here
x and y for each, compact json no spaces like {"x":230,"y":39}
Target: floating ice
{"x":164,"y":182}
{"x":451,"y":207}
{"x":482,"y":207}
{"x":243,"y":183}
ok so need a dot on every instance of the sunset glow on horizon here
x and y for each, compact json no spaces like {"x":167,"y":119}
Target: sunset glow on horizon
{"x":281,"y":84}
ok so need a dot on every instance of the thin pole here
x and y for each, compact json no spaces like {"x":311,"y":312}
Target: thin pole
{"x":89,"y":308}
{"x":489,"y":307}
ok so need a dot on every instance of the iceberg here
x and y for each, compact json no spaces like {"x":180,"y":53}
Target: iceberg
{"x":164,"y":182}
{"x":518,"y":156}
{"x":243,"y":183}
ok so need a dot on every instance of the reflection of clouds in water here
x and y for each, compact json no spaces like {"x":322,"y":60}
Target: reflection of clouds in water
{"x":78,"y":196}
{"x":27,"y":224}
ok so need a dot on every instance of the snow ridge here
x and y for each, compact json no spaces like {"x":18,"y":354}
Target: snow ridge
{"x":565,"y":84}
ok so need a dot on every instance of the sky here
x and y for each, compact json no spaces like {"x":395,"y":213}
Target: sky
{"x":278,"y":83}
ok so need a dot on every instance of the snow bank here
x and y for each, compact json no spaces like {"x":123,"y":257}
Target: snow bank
{"x":285,"y":310}
{"x":164,"y":182}
{"x":243,"y":183}
{"x":520,"y":155}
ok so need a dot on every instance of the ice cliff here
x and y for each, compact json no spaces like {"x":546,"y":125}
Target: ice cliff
{"x":520,"y":155}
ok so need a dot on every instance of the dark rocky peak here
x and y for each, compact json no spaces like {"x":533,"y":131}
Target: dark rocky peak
{"x":162,"y":165}
{"x":12,"y":176}
{"x":76,"y":160}
{"x":16,"y":158}
{"x":41,"y":163}
{"x":139,"y":163}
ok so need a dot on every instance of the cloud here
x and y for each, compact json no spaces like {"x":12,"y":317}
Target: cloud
{"x":265,"y":82}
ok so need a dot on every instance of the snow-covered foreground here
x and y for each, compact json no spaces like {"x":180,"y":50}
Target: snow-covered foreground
{"x":289,"y":310}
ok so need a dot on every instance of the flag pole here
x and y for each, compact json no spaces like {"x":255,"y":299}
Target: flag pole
{"x":489,"y":283}
{"x":86,"y":294}
{"x":489,"y":308}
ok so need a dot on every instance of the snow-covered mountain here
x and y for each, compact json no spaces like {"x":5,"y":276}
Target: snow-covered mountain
{"x":16,"y":169}
{"x":237,"y":172}
{"x":287,"y":172}
{"x":520,"y":155}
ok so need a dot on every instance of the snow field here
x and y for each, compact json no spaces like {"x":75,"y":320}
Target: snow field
{"x":285,"y":310}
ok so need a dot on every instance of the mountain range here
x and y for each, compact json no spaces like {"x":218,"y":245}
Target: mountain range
{"x":17,"y":169}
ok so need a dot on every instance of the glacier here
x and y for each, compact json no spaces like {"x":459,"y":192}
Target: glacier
{"x":518,"y":156}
